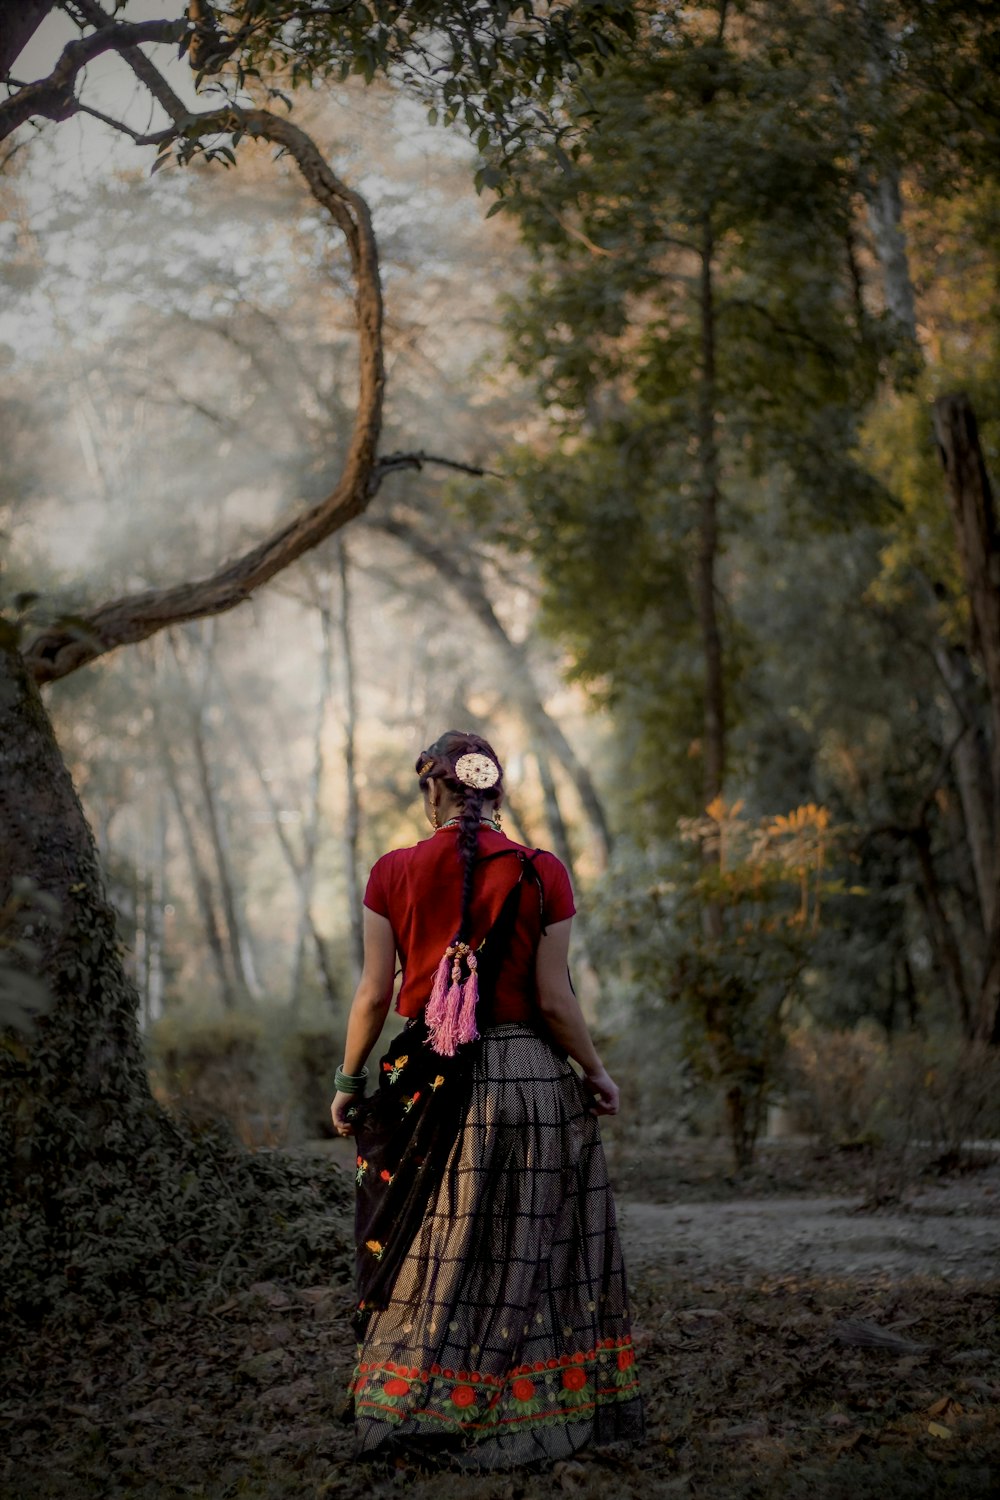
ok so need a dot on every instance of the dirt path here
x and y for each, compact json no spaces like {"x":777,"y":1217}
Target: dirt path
{"x":950,"y":1232}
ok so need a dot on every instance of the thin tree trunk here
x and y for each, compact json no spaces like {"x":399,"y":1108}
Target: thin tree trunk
{"x":352,"y":813}
{"x":297,"y":865}
{"x":714,"y":750}
{"x":971,"y":760}
{"x":942,"y":933}
{"x":202,"y":885}
{"x":553,"y":812}
{"x":246,"y":979}
{"x":978,"y":536}
{"x":881,"y":184}
{"x":306,"y":872}
{"x":155,"y":915}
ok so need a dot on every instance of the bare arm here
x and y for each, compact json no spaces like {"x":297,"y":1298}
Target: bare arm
{"x":564,"y":1018}
{"x":369,"y":1007}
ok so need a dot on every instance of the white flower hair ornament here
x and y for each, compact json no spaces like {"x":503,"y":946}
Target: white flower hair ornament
{"x":477,"y":770}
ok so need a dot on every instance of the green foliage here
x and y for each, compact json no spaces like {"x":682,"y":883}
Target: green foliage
{"x":23,"y":995}
{"x":181,"y":1215}
{"x":494,"y":69}
{"x":694,"y":265}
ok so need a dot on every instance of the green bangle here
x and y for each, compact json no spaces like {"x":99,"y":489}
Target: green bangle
{"x":350,"y":1083}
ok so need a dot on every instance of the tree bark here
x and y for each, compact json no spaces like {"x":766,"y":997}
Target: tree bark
{"x":971,"y":760}
{"x":978,"y":538}
{"x":82,"y":1075}
{"x":352,"y":800}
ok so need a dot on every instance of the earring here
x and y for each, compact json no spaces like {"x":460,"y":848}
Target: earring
{"x":497,"y":822}
{"x":434,"y":817}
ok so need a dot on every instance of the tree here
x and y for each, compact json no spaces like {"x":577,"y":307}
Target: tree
{"x":76,"y":1104}
{"x":694,"y":325}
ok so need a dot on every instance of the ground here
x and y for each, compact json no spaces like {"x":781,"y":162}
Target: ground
{"x":794,"y":1342}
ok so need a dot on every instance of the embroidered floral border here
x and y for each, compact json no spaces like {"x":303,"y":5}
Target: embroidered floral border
{"x":539,"y":1394}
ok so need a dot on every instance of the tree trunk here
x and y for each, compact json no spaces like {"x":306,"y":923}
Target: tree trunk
{"x":885,"y":220}
{"x":971,"y":760}
{"x":202,"y":885}
{"x":714,"y":712}
{"x":553,"y":812}
{"x":81,"y":1078}
{"x":942,"y":935}
{"x":242,"y":963}
{"x":978,"y":537}
{"x":296,"y":864}
{"x":352,"y":800}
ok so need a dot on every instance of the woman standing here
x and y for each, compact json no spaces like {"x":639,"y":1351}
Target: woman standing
{"x":493,"y":1313}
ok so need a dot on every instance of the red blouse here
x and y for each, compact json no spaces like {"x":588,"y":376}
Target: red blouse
{"x":419,"y":890}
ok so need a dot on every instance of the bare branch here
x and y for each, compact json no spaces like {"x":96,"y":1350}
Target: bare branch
{"x":53,"y":97}
{"x":396,"y":461}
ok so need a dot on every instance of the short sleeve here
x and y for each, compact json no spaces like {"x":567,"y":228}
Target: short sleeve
{"x":376,"y":897}
{"x":558,"y":888}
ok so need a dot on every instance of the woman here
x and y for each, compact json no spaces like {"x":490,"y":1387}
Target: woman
{"x":494,"y":1316}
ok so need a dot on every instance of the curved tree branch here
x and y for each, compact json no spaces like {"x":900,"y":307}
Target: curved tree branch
{"x":62,"y":648}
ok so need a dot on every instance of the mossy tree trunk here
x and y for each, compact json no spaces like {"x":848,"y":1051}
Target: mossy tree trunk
{"x":77,"y":1086}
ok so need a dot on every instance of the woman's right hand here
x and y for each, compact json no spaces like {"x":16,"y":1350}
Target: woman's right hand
{"x":604,"y":1090}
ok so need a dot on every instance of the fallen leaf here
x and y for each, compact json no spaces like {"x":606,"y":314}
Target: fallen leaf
{"x":938,"y":1430}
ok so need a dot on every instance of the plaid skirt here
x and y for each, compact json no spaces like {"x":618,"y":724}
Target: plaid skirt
{"x":506,"y":1337}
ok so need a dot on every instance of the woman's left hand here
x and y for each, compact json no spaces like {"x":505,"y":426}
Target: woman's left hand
{"x":338,"y":1111}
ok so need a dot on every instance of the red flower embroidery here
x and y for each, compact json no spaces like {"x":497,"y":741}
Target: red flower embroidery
{"x":579,"y":1358}
{"x":553,"y":1364}
{"x":463,"y":1395}
{"x":574,"y":1379}
{"x":435,"y":1369}
{"x":385,"y":1175}
{"x":397,"y":1387}
{"x":523,"y":1389}
{"x":625,"y":1358}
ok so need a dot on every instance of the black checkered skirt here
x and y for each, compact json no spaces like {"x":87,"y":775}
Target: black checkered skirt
{"x":506,"y":1338}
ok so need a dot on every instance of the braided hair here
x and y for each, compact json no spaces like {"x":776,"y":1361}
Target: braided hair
{"x":438,"y":764}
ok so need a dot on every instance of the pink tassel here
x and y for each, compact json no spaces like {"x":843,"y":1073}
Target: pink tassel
{"x":467,"y":1014}
{"x":451,"y":1011}
{"x":439,"y":990}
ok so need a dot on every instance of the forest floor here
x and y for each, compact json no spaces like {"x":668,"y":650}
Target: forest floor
{"x":793,"y":1342}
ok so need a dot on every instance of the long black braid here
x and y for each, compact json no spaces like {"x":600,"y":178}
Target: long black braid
{"x":438,"y":763}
